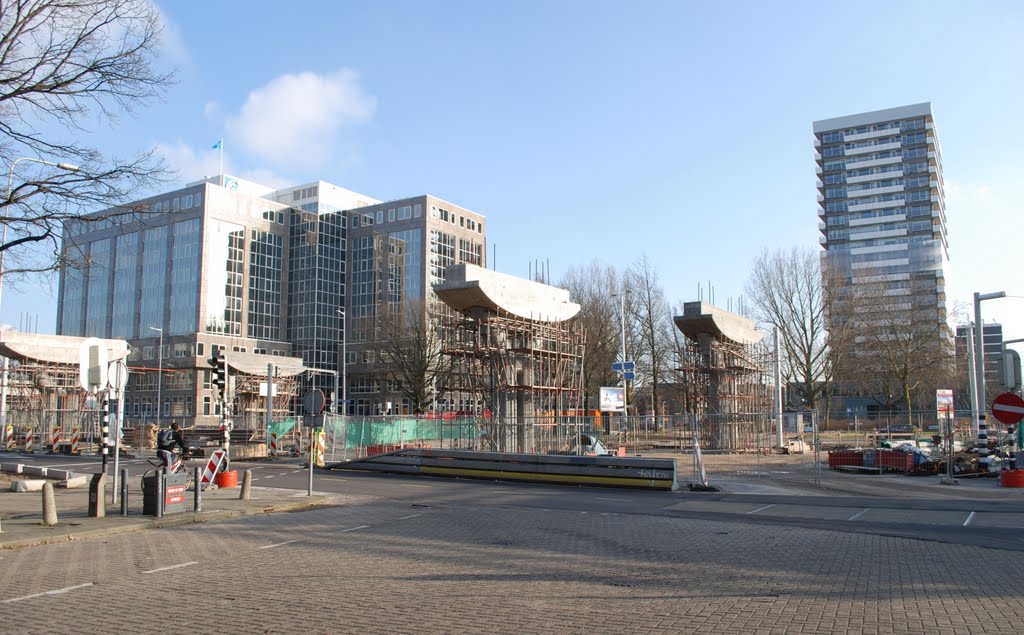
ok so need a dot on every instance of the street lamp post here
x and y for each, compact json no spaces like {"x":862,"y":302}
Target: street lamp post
{"x":625,"y":391}
{"x":160,"y":376}
{"x":342,"y":367}
{"x":3,"y":242}
{"x":980,"y":397}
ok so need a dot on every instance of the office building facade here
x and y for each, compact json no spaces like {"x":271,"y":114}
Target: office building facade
{"x":882,"y":216}
{"x":260,"y":274}
{"x":399,"y":251}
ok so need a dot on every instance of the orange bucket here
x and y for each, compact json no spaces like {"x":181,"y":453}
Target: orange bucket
{"x":230,"y":479}
{"x":1011,"y":478}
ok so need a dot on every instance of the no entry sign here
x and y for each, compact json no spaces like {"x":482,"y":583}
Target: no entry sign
{"x":1008,"y":408}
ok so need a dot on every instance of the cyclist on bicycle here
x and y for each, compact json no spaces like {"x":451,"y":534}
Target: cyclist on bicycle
{"x":166,"y":442}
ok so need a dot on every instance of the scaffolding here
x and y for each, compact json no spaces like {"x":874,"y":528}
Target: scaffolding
{"x":520,"y":369}
{"x":727,"y":385}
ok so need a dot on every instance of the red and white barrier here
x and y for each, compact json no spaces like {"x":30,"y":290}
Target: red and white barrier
{"x":55,"y":438}
{"x":321,"y":441}
{"x":9,"y":443}
{"x":213,"y":465}
{"x":30,"y":440}
{"x":272,"y":444}
{"x":75,"y":436}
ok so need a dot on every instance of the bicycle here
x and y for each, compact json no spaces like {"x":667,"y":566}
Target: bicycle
{"x":177,"y":467}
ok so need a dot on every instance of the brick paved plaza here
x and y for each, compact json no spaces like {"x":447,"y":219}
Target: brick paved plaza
{"x":390,"y":567}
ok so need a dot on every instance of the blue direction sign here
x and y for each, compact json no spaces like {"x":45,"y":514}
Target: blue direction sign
{"x":629,"y":375}
{"x":623,"y":366}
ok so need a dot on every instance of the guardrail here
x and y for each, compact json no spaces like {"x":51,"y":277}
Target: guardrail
{"x":633,"y":472}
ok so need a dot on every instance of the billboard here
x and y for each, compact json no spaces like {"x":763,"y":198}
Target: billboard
{"x":944,"y":404}
{"x":613,"y":399}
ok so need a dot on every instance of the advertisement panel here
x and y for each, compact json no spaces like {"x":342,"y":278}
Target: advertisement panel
{"x":613,"y":399}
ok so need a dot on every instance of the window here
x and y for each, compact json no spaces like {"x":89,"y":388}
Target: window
{"x":176,"y":205}
{"x":147,"y":352}
{"x":181,"y":350}
{"x":417,"y":210}
{"x":391,"y":215}
{"x":199,"y":349}
{"x":380,"y":216}
{"x":198,"y":200}
{"x":186,"y":202}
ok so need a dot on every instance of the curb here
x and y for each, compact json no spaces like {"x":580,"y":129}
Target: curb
{"x":189,"y":518}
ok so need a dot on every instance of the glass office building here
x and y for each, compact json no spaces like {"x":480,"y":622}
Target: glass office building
{"x":225,"y":265}
{"x":882,"y":217}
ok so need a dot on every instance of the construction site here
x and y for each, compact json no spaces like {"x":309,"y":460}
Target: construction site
{"x":725,"y":378}
{"x":515,"y":348}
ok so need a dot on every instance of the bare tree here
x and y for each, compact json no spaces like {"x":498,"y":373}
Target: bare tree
{"x":651,"y":318}
{"x":592,"y":287}
{"x":408,"y":348}
{"x":64,"y":63}
{"x":788,"y":294}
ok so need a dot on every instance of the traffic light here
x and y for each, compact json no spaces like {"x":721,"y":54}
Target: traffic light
{"x":220,"y":373}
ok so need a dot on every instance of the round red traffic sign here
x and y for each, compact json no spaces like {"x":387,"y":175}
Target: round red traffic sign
{"x":1008,"y":408}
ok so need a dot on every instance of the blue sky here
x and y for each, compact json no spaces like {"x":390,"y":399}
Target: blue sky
{"x":593,"y":130}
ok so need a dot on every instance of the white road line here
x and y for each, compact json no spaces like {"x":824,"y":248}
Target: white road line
{"x":54,"y":592}
{"x":268,"y":476}
{"x":408,"y":517}
{"x":969,"y":519}
{"x":279,"y":544}
{"x":411,"y":485}
{"x":353,"y":529}
{"x":760,"y":509}
{"x":173,"y":566}
{"x":619,"y":500}
{"x":859,"y":514}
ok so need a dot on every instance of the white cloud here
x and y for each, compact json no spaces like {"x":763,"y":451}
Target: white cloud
{"x":190,"y":165}
{"x":294,"y":120}
{"x":172,"y":43}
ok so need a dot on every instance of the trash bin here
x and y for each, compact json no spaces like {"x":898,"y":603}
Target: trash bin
{"x":174,"y":494}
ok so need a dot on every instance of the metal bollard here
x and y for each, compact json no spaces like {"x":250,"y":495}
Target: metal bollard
{"x":124,"y":491}
{"x":49,"y":505}
{"x":160,"y":492}
{"x":197,"y":503}
{"x":246,"y":493}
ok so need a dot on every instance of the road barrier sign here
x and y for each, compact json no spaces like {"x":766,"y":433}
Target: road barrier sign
{"x":1008,"y":408}
{"x":213,"y":465}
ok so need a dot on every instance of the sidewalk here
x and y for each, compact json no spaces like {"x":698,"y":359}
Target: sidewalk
{"x":21,"y":513}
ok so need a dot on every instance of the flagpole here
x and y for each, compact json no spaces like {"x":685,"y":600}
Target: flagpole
{"x":221,"y":145}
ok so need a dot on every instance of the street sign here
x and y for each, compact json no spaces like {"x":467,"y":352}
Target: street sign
{"x":117,"y":376}
{"x":314,"y":402}
{"x":622,"y":366}
{"x":92,"y":367}
{"x":629,"y":376}
{"x":1008,"y":408}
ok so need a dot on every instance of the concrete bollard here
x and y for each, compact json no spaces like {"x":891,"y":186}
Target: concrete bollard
{"x":246,"y":493}
{"x":197,"y":483}
{"x":49,"y":505}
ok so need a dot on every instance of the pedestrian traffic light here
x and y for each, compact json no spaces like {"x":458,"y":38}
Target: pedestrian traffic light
{"x":220,"y":373}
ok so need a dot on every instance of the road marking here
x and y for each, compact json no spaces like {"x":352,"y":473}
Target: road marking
{"x":408,"y":517}
{"x":761,"y":509}
{"x":353,"y":529}
{"x":54,"y":592}
{"x":269,"y":476}
{"x":279,"y":544}
{"x":619,"y":500}
{"x":173,"y":566}
{"x":411,"y":485}
{"x":969,"y":519}
{"x":859,"y":514}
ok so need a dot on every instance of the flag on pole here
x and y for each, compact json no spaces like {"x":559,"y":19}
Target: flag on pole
{"x":219,"y":144}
